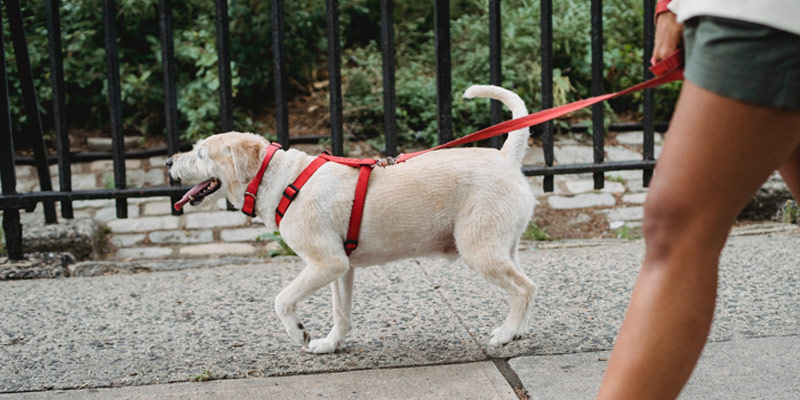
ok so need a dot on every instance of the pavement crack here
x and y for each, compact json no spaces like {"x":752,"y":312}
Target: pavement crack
{"x":511,"y":377}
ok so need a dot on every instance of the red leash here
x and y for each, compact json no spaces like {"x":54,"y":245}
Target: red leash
{"x":668,"y":70}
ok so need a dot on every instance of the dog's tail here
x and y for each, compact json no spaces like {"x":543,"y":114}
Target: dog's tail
{"x":516,"y":144}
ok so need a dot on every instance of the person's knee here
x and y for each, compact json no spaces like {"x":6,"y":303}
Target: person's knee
{"x":666,"y":224}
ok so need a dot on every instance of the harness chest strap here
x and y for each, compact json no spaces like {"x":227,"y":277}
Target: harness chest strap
{"x":291,"y":191}
{"x":252,"y":189}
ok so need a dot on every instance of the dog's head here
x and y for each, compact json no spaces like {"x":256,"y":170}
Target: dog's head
{"x":226,"y":161}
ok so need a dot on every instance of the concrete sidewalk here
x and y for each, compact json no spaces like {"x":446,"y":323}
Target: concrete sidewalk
{"x":421,"y":330}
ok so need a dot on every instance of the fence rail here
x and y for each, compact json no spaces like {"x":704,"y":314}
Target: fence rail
{"x":11,"y":201}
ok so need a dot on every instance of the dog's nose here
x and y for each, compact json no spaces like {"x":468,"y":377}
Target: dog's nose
{"x":169,"y":162}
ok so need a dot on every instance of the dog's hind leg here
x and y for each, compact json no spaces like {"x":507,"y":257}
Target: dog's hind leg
{"x":314,"y":276}
{"x":498,"y":267}
{"x":342,"y":293}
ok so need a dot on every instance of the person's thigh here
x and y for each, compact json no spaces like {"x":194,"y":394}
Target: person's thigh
{"x":718,"y":151}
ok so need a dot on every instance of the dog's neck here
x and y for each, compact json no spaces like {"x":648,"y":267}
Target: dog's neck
{"x":284,"y":167}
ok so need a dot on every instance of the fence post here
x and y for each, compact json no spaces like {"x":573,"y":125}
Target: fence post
{"x":115,"y":103}
{"x":59,"y":104}
{"x":598,"y":127}
{"x":279,"y":66}
{"x":495,"y":66}
{"x":12,"y":229}
{"x":444,"y":95}
{"x":547,"y":86}
{"x":387,"y":53}
{"x":170,"y":89}
{"x":648,"y":146}
{"x":31,"y":104}
{"x":334,"y":76}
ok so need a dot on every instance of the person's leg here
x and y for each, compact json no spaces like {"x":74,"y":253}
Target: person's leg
{"x":717,"y":153}
{"x":790,"y":171}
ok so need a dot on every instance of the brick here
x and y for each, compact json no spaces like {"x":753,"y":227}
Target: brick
{"x":84,"y":182}
{"x":127,"y":240}
{"x":635,"y":198}
{"x":241,"y":235}
{"x":143,"y":252}
{"x":158,"y":208}
{"x":585,"y":186}
{"x":216,"y":219}
{"x":133,"y":164}
{"x":93,"y":203}
{"x":155,"y":177}
{"x":110,"y":213}
{"x":217,"y":249}
{"x":581,"y":201}
{"x":573,"y":154}
{"x":181,"y":236}
{"x":158,"y":161}
{"x":625,"y":214}
{"x":101,"y":166}
{"x":145,"y":224}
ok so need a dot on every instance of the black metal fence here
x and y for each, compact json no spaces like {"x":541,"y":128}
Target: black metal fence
{"x":11,"y":201}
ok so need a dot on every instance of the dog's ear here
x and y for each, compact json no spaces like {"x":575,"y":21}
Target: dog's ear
{"x":245,"y":157}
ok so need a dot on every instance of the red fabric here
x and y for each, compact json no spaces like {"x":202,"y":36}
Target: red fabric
{"x":351,"y":242}
{"x":365,"y":165}
{"x":291,"y":191}
{"x":661,"y":7}
{"x":252,"y":189}
{"x":673,"y":62}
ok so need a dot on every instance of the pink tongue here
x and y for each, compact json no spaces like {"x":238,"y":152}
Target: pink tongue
{"x":191,"y":193}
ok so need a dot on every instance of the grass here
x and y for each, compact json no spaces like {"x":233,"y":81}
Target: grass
{"x":534,"y":232}
{"x":627,"y":233}
{"x":791,"y":211}
{"x":285,"y":250}
{"x":201,"y":377}
{"x":616,"y":178}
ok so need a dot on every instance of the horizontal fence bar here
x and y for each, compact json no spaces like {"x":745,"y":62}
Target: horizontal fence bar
{"x":587,"y":167}
{"x":25,"y":200}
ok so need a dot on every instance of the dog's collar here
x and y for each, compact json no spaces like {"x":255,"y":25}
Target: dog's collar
{"x":249,"y":206}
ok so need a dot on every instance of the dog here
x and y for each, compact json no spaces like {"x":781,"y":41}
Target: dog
{"x":473,"y":203}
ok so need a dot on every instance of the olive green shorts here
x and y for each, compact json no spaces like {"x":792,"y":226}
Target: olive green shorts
{"x":743,"y":61}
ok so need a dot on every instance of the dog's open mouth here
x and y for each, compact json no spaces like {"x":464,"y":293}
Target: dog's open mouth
{"x":196,"y":194}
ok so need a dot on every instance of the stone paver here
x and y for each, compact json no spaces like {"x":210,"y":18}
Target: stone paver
{"x":217,"y":249}
{"x":110,"y":213}
{"x":585,"y":186}
{"x":745,"y":369}
{"x":242,"y":234}
{"x":471,"y":381}
{"x":163,"y":207}
{"x":581,"y":201}
{"x":181,"y":236}
{"x":143,"y":252}
{"x":634,"y":198}
{"x":127,"y":240}
{"x":625,"y":214}
{"x":145,"y":224}
{"x":215,"y":219}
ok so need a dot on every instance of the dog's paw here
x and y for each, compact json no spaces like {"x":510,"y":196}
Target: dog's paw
{"x":501,"y":336}
{"x":322,"y":346}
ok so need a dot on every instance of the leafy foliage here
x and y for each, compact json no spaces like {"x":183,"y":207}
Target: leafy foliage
{"x":304,"y":20}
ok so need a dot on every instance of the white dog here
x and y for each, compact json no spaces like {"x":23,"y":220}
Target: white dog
{"x":469,"y":202}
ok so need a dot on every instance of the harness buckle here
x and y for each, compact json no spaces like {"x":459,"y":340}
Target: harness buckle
{"x":291,"y":194}
{"x":350,"y":245}
{"x":251,"y":195}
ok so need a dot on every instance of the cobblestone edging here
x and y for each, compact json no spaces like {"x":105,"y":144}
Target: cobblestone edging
{"x":150,"y":232}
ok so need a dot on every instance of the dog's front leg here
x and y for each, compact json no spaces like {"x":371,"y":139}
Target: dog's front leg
{"x":314,"y":276}
{"x":342,"y":293}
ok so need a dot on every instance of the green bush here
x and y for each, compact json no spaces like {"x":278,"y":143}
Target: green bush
{"x":251,"y":53}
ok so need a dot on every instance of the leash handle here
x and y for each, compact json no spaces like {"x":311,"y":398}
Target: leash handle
{"x":674,"y":62}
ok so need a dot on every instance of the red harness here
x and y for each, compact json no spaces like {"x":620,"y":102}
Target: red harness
{"x":291,"y":191}
{"x":668,"y":70}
